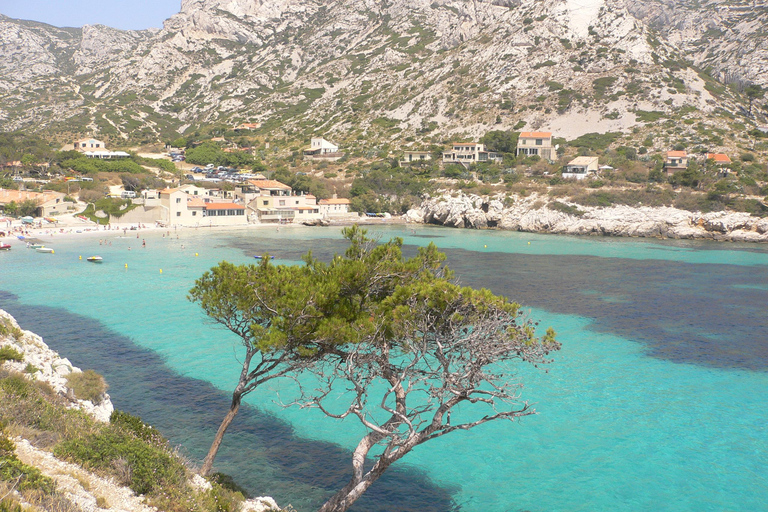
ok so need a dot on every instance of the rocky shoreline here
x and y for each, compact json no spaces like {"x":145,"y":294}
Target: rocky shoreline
{"x":531,"y":214}
{"x":41,"y":363}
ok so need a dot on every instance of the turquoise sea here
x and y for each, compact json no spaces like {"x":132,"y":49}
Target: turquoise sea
{"x":657,"y":401}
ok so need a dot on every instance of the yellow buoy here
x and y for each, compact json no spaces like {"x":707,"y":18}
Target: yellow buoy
{"x":485,"y":246}
{"x":195,"y":254}
{"x":161,"y":271}
{"x":529,"y":243}
{"x":80,"y":257}
{"x":53,"y":252}
{"x":126,"y":266}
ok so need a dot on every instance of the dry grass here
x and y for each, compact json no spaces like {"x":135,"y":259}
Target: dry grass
{"x":87,"y":385}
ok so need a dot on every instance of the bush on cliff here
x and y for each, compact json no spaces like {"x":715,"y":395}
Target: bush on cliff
{"x":87,"y":385}
{"x":126,"y":449}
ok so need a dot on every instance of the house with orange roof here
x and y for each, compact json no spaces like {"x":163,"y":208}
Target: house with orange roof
{"x":191,"y":206}
{"x":247,"y":126}
{"x":468,"y":153}
{"x":536,"y":144}
{"x":719,"y":158}
{"x":49,"y":203}
{"x":334,"y":206}
{"x":273,"y":201}
{"x":676,"y":161}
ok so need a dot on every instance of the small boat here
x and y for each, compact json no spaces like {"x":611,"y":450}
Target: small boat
{"x":20,"y":237}
{"x":94,"y":259}
{"x":260,"y":257}
{"x":34,"y":246}
{"x":5,"y":247}
{"x":47,"y":250}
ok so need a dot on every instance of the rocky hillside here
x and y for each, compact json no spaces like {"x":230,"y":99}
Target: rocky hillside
{"x":392,"y":70}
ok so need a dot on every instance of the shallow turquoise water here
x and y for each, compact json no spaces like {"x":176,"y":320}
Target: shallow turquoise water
{"x":657,"y":400}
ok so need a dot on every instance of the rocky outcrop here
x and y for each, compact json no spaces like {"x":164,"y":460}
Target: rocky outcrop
{"x":532,"y":215}
{"x":43,"y":364}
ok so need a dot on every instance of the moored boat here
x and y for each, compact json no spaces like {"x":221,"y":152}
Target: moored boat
{"x":94,"y":259}
{"x":5,"y":247}
{"x":47,"y":250}
{"x":261,"y":257}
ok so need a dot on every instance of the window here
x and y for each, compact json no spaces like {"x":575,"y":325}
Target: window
{"x":178,"y":200}
{"x":194,"y":213}
{"x":282,"y":202}
{"x":539,"y":142}
{"x":266,"y":203}
{"x":178,"y":214}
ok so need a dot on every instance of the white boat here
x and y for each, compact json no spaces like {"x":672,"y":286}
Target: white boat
{"x":34,"y":246}
{"x":45,"y":250}
{"x":94,"y":259}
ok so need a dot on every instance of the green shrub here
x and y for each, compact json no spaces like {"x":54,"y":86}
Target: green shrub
{"x":8,"y":329}
{"x":10,"y":354}
{"x":134,"y":425}
{"x":87,"y":385}
{"x":149,"y":467}
{"x":564,"y":208}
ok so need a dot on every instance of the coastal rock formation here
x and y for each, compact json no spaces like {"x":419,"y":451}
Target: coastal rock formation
{"x":533,"y":215}
{"x":42,"y":363}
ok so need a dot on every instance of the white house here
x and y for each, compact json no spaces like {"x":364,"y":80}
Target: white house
{"x":581,"y":167}
{"x":319,"y":148}
{"x":89,"y":145}
{"x":410,"y":157}
{"x":334,"y":206}
{"x":467,"y":153}
{"x":535,"y":143}
{"x":272,"y":201}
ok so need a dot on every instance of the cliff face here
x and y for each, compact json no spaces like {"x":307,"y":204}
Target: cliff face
{"x":471,"y":211}
{"x":410,"y":67}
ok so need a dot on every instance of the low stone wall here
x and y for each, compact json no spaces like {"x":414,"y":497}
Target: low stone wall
{"x":471,"y":211}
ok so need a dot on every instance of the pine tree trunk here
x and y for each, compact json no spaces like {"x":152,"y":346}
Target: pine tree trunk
{"x":349,"y":494}
{"x":208,"y":462}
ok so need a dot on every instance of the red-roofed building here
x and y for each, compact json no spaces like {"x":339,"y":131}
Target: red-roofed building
{"x":535,"y":144}
{"x":273,"y":201}
{"x":719,"y":158}
{"x":334,"y":206}
{"x":676,"y":161}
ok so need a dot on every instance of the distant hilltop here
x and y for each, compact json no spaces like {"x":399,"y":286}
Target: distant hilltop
{"x":393,"y":70}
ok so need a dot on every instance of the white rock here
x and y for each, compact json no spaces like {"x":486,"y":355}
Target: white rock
{"x":260,"y":504}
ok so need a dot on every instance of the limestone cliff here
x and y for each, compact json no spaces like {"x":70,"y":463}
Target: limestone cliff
{"x":524,"y":214}
{"x":384,"y":69}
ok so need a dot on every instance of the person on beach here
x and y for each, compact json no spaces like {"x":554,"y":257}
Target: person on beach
{"x":143,"y":243}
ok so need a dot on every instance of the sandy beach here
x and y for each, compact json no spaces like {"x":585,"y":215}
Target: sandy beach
{"x":70,"y":225}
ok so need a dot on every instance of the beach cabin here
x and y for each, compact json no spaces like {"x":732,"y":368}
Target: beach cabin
{"x":581,"y":167}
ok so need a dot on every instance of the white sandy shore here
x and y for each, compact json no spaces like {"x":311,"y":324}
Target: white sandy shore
{"x":71,"y":226}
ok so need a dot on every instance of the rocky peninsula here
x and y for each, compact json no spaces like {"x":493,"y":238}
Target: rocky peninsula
{"x":534,"y":214}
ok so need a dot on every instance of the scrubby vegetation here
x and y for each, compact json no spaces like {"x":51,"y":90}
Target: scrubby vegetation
{"x":125,"y":449}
